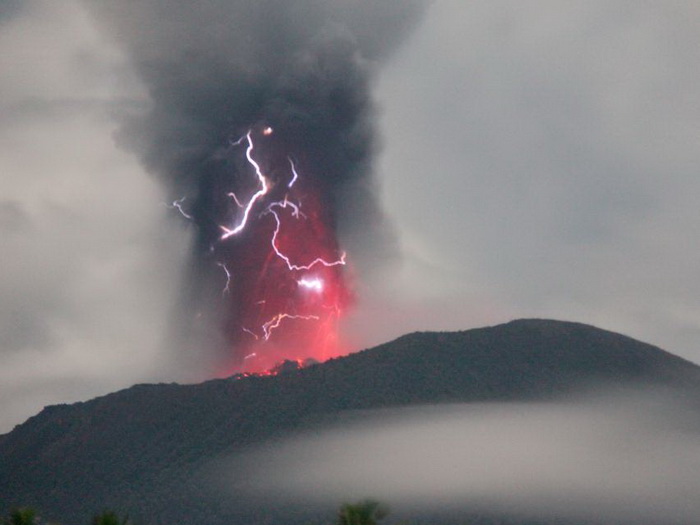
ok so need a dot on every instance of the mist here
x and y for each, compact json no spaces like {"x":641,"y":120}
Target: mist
{"x":632,"y":457}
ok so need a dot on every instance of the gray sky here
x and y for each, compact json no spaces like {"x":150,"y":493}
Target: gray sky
{"x":539,"y":160}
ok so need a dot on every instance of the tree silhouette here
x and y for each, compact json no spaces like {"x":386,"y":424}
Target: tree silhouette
{"x":366,"y":512}
{"x":22,"y":516}
{"x":109,"y":518}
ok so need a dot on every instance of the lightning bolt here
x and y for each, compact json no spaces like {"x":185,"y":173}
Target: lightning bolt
{"x":290,"y":265}
{"x":177,"y":205}
{"x":238,"y":142}
{"x":228,"y":277}
{"x":254,"y":335}
{"x":315,"y":284}
{"x":294,"y":172}
{"x":264,"y":188}
{"x":286,"y":203}
{"x":235,"y":199}
{"x":273,"y":323}
{"x":252,"y":208}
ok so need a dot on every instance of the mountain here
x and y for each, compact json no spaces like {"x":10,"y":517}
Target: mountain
{"x":146,"y":450}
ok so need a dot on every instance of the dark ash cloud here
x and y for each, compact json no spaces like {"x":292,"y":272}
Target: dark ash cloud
{"x":217,"y":68}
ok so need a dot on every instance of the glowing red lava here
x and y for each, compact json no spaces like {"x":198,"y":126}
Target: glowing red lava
{"x":285,"y":283}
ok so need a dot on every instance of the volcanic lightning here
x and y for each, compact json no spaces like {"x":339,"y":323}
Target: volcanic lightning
{"x":285,"y":258}
{"x":273,"y":323}
{"x":268,"y":146}
{"x":257,"y":195}
{"x":227,"y":288}
{"x":315,"y":284}
{"x":272,"y":216}
{"x":294,"y":172}
{"x":177,"y":205}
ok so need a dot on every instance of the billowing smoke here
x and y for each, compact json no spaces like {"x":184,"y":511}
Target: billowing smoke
{"x":261,"y":127}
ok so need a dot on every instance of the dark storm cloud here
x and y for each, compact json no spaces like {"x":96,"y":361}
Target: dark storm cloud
{"x":215,"y":68}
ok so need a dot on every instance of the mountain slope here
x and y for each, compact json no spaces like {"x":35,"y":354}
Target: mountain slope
{"x":144,"y":449}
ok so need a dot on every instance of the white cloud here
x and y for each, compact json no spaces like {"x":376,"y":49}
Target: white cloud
{"x":608,"y":459}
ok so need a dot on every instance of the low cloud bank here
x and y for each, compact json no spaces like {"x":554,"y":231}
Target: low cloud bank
{"x":609,"y":458}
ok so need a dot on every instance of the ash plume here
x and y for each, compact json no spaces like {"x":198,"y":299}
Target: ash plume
{"x":217,"y":69}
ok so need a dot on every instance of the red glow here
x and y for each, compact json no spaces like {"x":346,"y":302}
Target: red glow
{"x":285,"y":289}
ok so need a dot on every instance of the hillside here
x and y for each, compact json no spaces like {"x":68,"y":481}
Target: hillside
{"x":144,"y":449}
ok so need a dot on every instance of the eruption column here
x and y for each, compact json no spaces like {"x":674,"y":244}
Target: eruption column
{"x":269,"y":215}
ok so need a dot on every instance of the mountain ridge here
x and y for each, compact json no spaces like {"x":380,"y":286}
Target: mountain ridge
{"x":530,"y":323}
{"x":143,"y":448}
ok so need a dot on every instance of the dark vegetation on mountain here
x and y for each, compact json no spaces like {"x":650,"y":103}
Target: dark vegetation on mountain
{"x":143,"y":450}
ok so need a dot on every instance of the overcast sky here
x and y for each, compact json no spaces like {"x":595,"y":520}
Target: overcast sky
{"x":539,"y":160}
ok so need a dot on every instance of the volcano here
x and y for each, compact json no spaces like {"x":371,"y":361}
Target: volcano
{"x":147,"y":450}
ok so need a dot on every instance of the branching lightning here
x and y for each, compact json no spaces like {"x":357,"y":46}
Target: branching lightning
{"x":286,"y":203}
{"x":292,"y":266}
{"x":264,"y":188}
{"x":272,"y":304}
{"x":273,"y":323}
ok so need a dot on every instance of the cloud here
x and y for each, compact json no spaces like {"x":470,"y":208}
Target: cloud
{"x":542,"y":157}
{"x":9,"y":10}
{"x":88,"y":260}
{"x":619,"y":458}
{"x":13,"y":218}
{"x":304,"y":69}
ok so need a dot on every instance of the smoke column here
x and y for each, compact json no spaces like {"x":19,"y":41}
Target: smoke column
{"x":260,"y":125}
